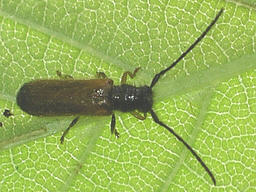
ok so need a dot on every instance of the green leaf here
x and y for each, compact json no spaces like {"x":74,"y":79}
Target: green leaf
{"x":208,"y":98}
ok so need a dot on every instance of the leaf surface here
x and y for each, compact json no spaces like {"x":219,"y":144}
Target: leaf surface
{"x":209,"y":98}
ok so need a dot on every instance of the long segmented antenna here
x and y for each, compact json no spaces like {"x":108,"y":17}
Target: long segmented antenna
{"x":155,"y":80}
{"x":155,"y":118}
{"x":158,"y":75}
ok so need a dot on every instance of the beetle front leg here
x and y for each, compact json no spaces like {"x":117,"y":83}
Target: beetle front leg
{"x":138,"y":115}
{"x":113,"y":126}
{"x":132,"y":75}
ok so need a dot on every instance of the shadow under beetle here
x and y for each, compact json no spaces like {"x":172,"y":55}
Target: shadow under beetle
{"x":98,"y":97}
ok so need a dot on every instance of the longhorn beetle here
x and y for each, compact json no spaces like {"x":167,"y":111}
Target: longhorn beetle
{"x":99,"y":97}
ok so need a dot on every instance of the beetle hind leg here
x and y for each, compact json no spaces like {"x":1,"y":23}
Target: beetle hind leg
{"x":113,"y":126}
{"x":66,"y":131}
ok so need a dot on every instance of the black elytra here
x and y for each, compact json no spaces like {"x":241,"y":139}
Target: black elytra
{"x":99,"y":97}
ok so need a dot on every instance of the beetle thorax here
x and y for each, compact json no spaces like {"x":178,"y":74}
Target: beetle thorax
{"x":127,"y":98}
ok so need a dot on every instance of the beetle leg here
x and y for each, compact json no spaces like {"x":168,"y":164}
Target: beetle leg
{"x":101,"y":75}
{"x":113,"y":126}
{"x":138,"y":115}
{"x":132,"y":75}
{"x":63,"y":76}
{"x":66,"y":131}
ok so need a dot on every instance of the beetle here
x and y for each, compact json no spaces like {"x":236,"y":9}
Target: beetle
{"x":99,"y":97}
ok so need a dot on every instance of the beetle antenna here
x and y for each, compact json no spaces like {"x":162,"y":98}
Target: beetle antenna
{"x":155,"y":118}
{"x":158,"y":75}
